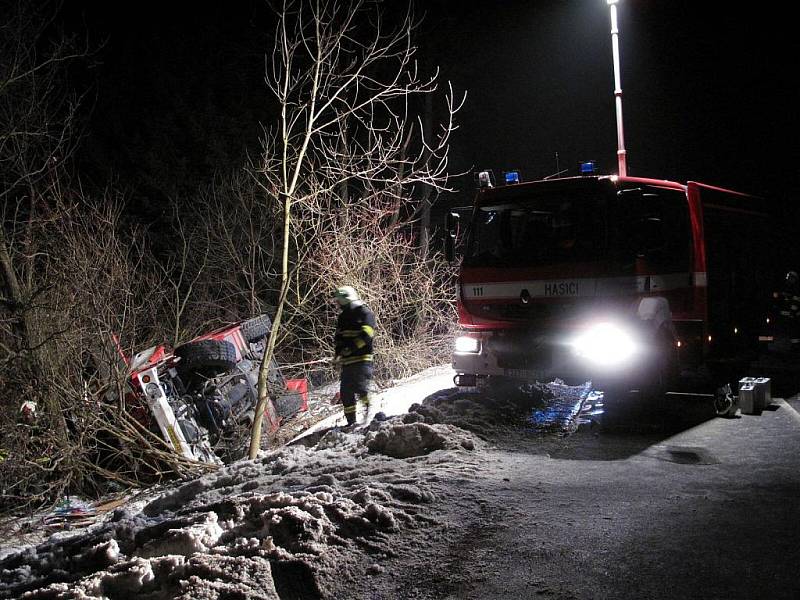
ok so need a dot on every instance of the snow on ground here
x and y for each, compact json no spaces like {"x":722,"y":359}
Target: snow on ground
{"x":298,"y":522}
{"x":395,"y":400}
{"x":255,"y":527}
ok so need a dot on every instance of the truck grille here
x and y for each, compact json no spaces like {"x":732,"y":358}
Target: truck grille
{"x":522,"y":350}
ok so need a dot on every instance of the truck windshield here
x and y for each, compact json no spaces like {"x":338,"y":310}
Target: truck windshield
{"x":539,"y":229}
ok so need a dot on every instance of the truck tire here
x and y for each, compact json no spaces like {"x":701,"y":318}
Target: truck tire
{"x":724,"y":401}
{"x":667,"y":369}
{"x":207,"y":358}
{"x":288,"y":405}
{"x":256,"y":328}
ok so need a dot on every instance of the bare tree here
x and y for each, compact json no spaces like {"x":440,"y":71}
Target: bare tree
{"x":240,"y":265}
{"x":347,"y":148}
{"x":97,"y":292}
{"x":73,"y":288}
{"x":36,"y":124}
{"x":184,"y":271}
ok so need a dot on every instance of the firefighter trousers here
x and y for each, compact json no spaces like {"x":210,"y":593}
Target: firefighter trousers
{"x":356,"y":379}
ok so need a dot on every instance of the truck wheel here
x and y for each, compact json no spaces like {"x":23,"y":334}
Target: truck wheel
{"x":664,"y":372}
{"x":207,"y":358}
{"x":288,"y":405}
{"x":256,"y":328}
{"x":724,"y":401}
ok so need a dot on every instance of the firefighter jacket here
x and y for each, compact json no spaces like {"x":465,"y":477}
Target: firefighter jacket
{"x":789,"y":305}
{"x":355,"y":330}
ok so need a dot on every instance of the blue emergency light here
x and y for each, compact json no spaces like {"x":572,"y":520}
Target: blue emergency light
{"x":587,"y":168}
{"x":511,"y":177}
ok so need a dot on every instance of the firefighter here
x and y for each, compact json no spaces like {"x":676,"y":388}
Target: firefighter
{"x":355,"y":330}
{"x":789,"y":309}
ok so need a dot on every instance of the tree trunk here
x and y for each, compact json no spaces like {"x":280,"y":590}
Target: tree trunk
{"x":24,"y":330}
{"x":263,"y":372}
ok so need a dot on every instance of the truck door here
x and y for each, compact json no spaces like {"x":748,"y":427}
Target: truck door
{"x":654,"y":242}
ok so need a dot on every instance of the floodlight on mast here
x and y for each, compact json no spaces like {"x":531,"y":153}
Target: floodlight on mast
{"x":621,"y":154}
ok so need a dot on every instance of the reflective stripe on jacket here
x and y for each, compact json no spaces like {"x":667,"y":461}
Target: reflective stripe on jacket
{"x":355,"y":330}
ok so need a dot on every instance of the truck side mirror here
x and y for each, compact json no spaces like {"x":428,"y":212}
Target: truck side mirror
{"x":451,"y":230}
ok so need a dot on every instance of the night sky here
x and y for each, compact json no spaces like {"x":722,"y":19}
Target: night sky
{"x":708,"y":95}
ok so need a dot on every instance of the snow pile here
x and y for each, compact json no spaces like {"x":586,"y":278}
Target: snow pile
{"x":540,"y":407}
{"x":285,"y":524}
{"x":195,"y":578}
{"x":480,"y":412}
{"x":414,"y":439}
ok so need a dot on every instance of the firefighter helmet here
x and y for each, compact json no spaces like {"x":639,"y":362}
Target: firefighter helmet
{"x":345,"y":295}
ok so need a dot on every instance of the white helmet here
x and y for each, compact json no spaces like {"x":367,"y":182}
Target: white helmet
{"x":345,"y":295}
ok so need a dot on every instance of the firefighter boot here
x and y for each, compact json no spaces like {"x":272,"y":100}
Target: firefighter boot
{"x":361,"y":412}
{"x":350,"y":413}
{"x":369,"y":408}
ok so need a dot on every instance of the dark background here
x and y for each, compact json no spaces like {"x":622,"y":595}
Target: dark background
{"x":709,"y":93}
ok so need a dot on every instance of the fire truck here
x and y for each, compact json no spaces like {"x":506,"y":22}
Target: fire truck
{"x":625,"y":281}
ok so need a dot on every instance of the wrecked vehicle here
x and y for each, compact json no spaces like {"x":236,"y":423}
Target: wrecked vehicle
{"x":201,"y":396}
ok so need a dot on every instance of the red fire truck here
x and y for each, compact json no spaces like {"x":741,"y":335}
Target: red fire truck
{"x":624,"y":281}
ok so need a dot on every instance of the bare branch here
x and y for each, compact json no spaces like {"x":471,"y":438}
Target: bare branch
{"x":343,"y":165}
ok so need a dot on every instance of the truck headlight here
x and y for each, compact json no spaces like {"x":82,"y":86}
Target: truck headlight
{"x":468,"y":345}
{"x":152,"y":390}
{"x":605,"y":344}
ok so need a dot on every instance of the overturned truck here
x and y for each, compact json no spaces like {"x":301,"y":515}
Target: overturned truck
{"x":202,"y":395}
